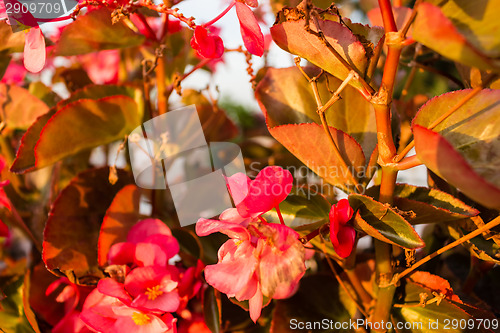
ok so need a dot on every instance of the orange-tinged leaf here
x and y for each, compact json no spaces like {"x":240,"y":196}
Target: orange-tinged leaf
{"x":93,"y":32}
{"x":289,"y":33}
{"x":77,"y":126}
{"x":464,"y":148}
{"x":462,"y":30}
{"x":18,"y":108}
{"x":71,"y":232}
{"x":288,"y":103}
{"x":121,"y":215}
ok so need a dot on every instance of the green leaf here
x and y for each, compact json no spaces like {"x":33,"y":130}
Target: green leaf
{"x":425,"y":318}
{"x":354,"y":42}
{"x":286,"y":99}
{"x":428,"y":205}
{"x":319,"y":298}
{"x":77,"y":124}
{"x":464,"y":148}
{"x":93,"y":32}
{"x":72,"y":229}
{"x":383,"y":223}
{"x":18,"y":107}
{"x":212,"y":309}
{"x":303,"y":210}
{"x":12,"y":308}
{"x":44,"y":93}
{"x":121,"y":215}
{"x":462,"y":30}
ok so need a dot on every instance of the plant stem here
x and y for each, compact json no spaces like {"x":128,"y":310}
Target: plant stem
{"x":279,"y":215}
{"x":493,"y":223}
{"x":160,"y":85}
{"x":409,"y":162}
{"x":209,"y":23}
{"x":387,"y":150}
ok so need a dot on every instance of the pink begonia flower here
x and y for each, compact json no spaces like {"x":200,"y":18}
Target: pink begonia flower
{"x":342,"y":235}
{"x":250,"y":30}
{"x":271,"y":186}
{"x":153,"y":288}
{"x":190,"y":283}
{"x":261,"y":260}
{"x":70,"y":296}
{"x":149,"y":243}
{"x":102,"y":67}
{"x":14,"y":74}
{"x":103,"y":313}
{"x":206,"y":44}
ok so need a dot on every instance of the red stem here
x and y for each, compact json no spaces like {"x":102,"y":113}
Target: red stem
{"x":220,"y":15}
{"x":279,"y":215}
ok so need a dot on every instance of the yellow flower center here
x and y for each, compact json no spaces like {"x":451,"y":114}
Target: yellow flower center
{"x":153,"y":292}
{"x":140,"y":318}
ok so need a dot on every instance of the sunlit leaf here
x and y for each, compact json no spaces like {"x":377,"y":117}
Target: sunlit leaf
{"x":121,"y":215}
{"x":289,"y":107}
{"x":354,"y":43}
{"x":11,"y":41}
{"x":464,"y":148}
{"x":93,"y":32}
{"x":18,"y":108}
{"x":420,"y":319}
{"x":428,"y":205}
{"x":462,"y":30}
{"x":85,"y":120}
{"x":382,"y":222}
{"x":303,"y":209}
{"x":72,"y":229}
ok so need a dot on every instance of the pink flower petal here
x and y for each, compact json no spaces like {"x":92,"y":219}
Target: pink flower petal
{"x":343,"y":211}
{"x":113,"y":288}
{"x":34,"y":50}
{"x":167,"y":302}
{"x":238,"y":186}
{"x":206,"y":227}
{"x":250,"y":30}
{"x":168,"y":244}
{"x":346,"y":238}
{"x":121,"y":253}
{"x":145,"y":228}
{"x":234,"y":272}
{"x":271,"y":186}
{"x":255,"y":305}
{"x":149,"y":254}
{"x":207,"y":45}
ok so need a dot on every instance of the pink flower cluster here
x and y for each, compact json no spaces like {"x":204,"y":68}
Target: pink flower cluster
{"x":261,"y":260}
{"x":208,"y":44}
{"x":144,"y":299}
